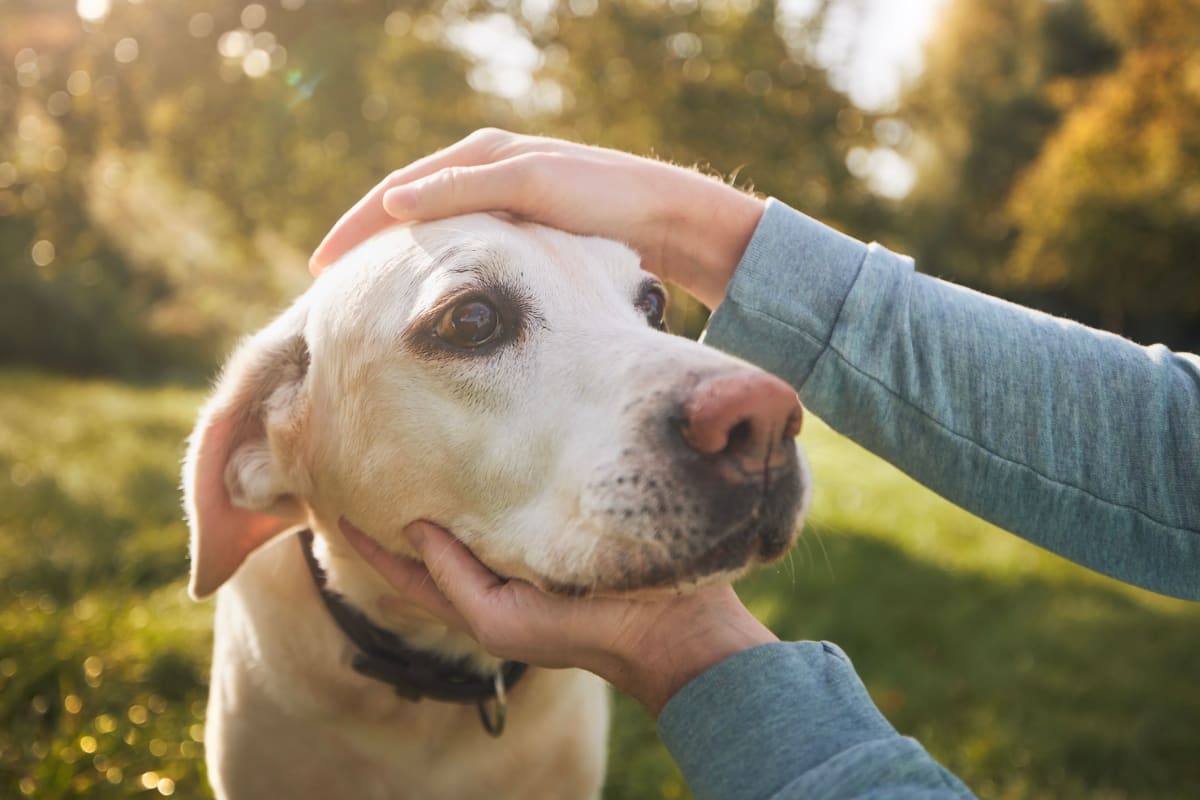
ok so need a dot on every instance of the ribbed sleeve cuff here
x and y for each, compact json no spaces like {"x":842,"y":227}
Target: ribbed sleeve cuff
{"x":785,"y":297}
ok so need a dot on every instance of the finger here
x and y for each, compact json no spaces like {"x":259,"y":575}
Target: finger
{"x":465,"y":581}
{"x":409,"y":578}
{"x":498,"y":186}
{"x":367,"y":217}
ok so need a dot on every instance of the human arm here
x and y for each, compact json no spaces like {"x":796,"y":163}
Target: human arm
{"x":1077,"y":440}
{"x":744,"y":715}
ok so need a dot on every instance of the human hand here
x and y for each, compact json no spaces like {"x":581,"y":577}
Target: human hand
{"x":647,"y":648}
{"x":689,"y":228}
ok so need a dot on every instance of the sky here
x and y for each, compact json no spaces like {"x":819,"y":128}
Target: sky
{"x":873,"y":46}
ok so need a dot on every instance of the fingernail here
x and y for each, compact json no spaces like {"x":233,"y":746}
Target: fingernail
{"x":397,"y":201}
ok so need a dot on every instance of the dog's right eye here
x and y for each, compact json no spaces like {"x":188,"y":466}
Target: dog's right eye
{"x":471,"y":323}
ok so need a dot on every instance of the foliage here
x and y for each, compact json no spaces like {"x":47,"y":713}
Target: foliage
{"x":1057,"y":147}
{"x":1110,"y":211}
{"x":174,"y":196}
{"x":103,"y":659}
{"x":1024,"y":674}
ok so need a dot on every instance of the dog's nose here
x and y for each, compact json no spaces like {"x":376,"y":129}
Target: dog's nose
{"x":743,"y":416}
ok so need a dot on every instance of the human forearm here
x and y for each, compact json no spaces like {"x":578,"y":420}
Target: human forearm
{"x":1078,"y":440}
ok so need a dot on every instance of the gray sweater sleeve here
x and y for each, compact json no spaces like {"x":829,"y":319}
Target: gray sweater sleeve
{"x":1074,"y":439}
{"x":793,"y":720}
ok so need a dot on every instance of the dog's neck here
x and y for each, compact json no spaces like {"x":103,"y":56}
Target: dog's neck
{"x":364,"y":589}
{"x":413,"y":674}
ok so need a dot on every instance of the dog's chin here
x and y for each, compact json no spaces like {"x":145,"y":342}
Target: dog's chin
{"x":625,"y":575}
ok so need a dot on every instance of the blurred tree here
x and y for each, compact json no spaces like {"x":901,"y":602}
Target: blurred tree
{"x":1057,"y":160}
{"x":980,"y":113}
{"x":165,"y":166}
{"x":162,"y":166}
{"x":1109,"y":214}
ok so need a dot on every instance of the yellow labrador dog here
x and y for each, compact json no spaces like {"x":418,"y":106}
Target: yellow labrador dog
{"x":514,"y":384}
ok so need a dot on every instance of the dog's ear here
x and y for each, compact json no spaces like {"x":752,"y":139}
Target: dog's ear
{"x":241,"y":481}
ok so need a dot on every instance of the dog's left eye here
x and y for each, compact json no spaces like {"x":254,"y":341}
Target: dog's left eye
{"x":471,"y":323}
{"x":653,"y":305}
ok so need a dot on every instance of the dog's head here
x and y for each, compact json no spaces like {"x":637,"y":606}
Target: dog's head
{"x":514,"y":384}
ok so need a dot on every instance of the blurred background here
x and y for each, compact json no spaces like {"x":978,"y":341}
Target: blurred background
{"x":167,"y":165}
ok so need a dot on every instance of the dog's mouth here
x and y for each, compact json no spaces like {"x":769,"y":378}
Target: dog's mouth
{"x":680,"y":535}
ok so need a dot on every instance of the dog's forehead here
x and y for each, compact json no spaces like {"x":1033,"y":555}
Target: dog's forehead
{"x":389,"y":279}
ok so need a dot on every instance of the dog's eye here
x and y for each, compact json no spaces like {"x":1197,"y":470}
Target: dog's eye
{"x":653,"y":305}
{"x":471,"y":323}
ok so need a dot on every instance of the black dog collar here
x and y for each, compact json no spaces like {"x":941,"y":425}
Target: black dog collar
{"x":414,"y":674}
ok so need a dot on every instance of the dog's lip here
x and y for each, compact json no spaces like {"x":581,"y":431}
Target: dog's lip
{"x":745,"y":538}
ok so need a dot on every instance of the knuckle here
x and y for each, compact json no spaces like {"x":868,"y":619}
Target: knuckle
{"x":450,"y":181}
{"x":487,"y":140}
{"x":495,"y":142}
{"x":394,"y":178}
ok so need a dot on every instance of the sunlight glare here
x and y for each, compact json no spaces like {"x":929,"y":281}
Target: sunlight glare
{"x":93,"y":10}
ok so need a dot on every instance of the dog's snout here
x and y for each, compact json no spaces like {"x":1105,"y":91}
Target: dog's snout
{"x":743,"y":416}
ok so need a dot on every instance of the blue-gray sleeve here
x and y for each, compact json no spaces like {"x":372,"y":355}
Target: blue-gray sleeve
{"x":1074,"y":439}
{"x":793,"y":720}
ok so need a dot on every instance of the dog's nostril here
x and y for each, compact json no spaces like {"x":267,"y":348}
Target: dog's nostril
{"x":738,"y":436}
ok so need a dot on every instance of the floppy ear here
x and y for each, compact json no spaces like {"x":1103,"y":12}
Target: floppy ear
{"x":241,"y":481}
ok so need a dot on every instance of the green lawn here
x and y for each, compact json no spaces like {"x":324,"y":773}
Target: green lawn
{"x":1025,"y":675}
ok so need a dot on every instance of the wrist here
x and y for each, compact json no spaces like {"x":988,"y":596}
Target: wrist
{"x":708,"y":232}
{"x":692,"y":635}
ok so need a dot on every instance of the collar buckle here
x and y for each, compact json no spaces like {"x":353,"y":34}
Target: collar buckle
{"x":493,"y":722}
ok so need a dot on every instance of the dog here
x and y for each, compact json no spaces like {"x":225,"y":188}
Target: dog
{"x":516,"y":385}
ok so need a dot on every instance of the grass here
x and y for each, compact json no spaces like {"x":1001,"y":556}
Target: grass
{"x":1027,"y":676}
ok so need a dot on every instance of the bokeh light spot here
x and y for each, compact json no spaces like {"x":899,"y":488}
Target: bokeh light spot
{"x":126,"y":50}
{"x":253,"y":16}
{"x":256,"y":63}
{"x":397,"y":24}
{"x":79,"y":83}
{"x":93,"y":10}
{"x":43,"y":253}
{"x":234,"y":44}
{"x":200,"y":25}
